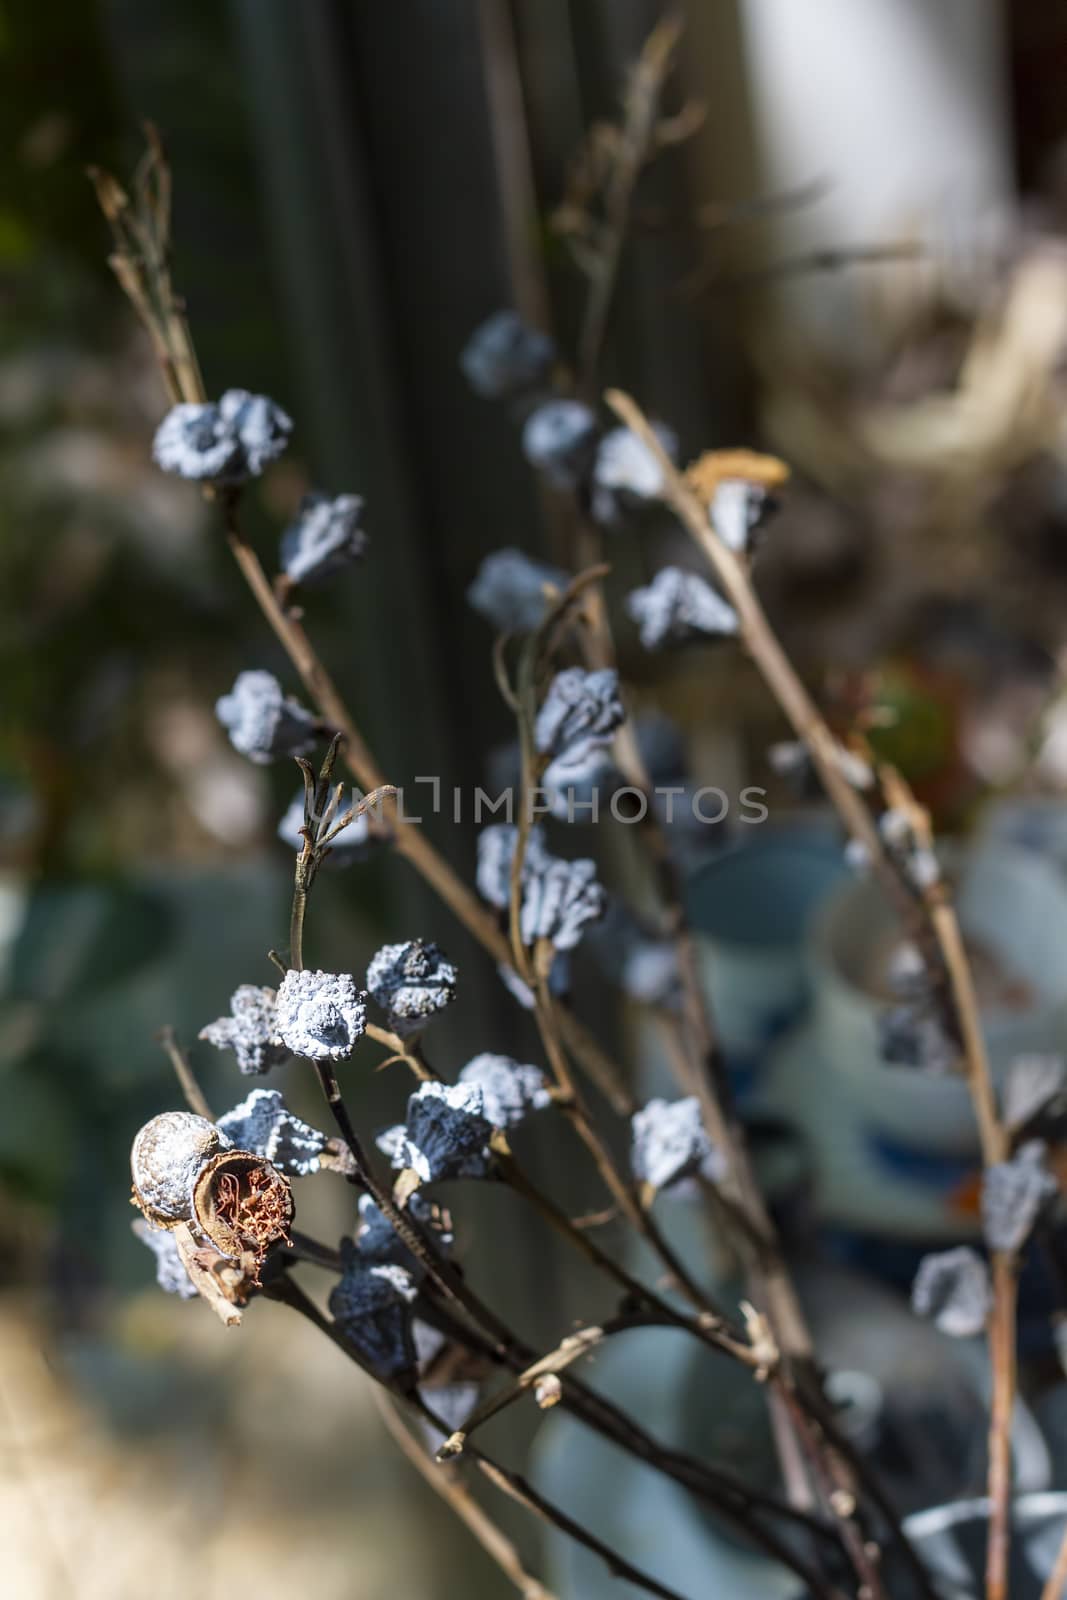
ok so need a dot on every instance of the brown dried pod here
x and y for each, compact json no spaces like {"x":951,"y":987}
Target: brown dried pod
{"x":166,"y":1158}
{"x":243,"y":1204}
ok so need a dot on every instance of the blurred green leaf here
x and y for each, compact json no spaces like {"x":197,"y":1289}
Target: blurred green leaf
{"x":80,"y":938}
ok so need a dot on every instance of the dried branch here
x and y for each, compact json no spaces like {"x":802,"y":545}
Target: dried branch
{"x":445,"y":1483}
{"x":195,"y":1098}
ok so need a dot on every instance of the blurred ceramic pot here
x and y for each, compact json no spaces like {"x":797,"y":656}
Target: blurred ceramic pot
{"x":750,"y":910}
{"x":1014,"y":914}
{"x":951,"y":1540}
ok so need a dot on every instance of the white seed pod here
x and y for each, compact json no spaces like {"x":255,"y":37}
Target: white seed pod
{"x":325,"y":539}
{"x":511,"y":591}
{"x":505,"y":356}
{"x":952,"y":1289}
{"x":677,"y":606}
{"x":167,"y":1158}
{"x":671,"y":1143}
{"x":510,"y":1089}
{"x":320,"y":1015}
{"x":263,"y":723}
{"x":560,"y":439}
{"x":580,"y":709}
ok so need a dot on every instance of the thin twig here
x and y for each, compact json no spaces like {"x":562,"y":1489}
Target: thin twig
{"x":444,"y":1482}
{"x":1057,"y":1579}
{"x":195,"y":1098}
{"x":521,"y":1490}
{"x":1003,"y":1360}
{"x":636,"y":145}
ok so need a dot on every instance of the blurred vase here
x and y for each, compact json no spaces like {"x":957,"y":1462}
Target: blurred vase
{"x":951,"y":1540}
{"x":750,"y":910}
{"x":1014,"y":914}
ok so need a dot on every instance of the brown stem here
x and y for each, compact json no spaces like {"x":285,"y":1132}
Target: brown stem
{"x":520,"y":1490}
{"x":738,"y":1503}
{"x":711,"y":1328}
{"x":1003,"y":1361}
{"x":638,"y":143}
{"x":447,"y":1484}
{"x":1057,"y":1579}
{"x":195,"y":1098}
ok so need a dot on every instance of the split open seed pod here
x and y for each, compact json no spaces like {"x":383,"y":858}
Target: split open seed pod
{"x":243,"y":1204}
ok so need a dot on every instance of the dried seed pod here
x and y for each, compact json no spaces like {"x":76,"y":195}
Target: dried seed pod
{"x":952,"y":1288}
{"x":670,"y":1143}
{"x":320,"y":1014}
{"x":411,"y":982}
{"x":242,"y":1203}
{"x":678,"y":606}
{"x":168,"y":1156}
{"x":560,"y":439}
{"x":511,"y":591}
{"x":505,"y":356}
{"x":510,"y":1089}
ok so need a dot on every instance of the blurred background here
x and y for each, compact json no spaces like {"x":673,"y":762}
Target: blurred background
{"x":857,"y":261}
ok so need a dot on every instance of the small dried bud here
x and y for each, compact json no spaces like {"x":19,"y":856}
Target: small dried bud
{"x":263,"y":724}
{"x":242,"y":1204}
{"x":354,"y":843}
{"x":736,"y":511}
{"x":451,"y":1404}
{"x":906,"y":972}
{"x":325,"y":538}
{"x":857,"y":856}
{"x":627,"y":471}
{"x":168,"y":1156}
{"x":560,"y":439}
{"x":570,"y":782}
{"x":1013,"y":1195}
{"x":670,"y":1142}
{"x":853,"y":768}
{"x":446,"y":1136}
{"x":510,"y":590}
{"x":580,"y":711}
{"x":559,"y":897}
{"x":371,"y":1304}
{"x":510,"y":1089}
{"x":952,"y":1289}
{"x":378,"y":1241}
{"x":915,"y":859}
{"x":411,"y":982}
{"x":559,"y":901}
{"x":171,"y":1274}
{"x":505,"y":356}
{"x":321,"y":1014}
{"x":224,"y":443}
{"x":548,"y":1391}
{"x":496,"y":850}
{"x":251,"y":1031}
{"x":677,"y":606}
{"x":913,"y":1035}
{"x":261,"y":426}
{"x":788,"y":756}
{"x":263,"y":1125}
{"x":1033,"y":1084}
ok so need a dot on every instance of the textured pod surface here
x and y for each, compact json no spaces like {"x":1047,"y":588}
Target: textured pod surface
{"x":242,"y":1203}
{"x":412,"y":982}
{"x":167,"y":1157}
{"x":321,"y":1014}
